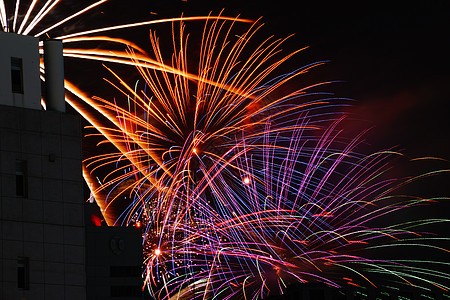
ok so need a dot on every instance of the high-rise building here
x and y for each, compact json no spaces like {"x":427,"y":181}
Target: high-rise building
{"x":47,"y":248}
{"x":42,"y":229}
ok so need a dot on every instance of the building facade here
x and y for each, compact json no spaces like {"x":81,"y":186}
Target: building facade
{"x":113,"y":263}
{"x":48,"y":248}
{"x":42,"y":228}
{"x":42,"y":221}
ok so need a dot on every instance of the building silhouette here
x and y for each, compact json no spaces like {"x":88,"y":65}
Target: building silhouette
{"x":49,"y":249}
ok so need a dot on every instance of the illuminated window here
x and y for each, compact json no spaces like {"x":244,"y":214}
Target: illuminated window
{"x":23,"y":273}
{"x":21,"y":178}
{"x":16,"y":75}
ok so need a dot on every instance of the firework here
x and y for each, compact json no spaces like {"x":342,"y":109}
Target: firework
{"x":246,"y":186}
{"x":184,"y":124}
{"x":309,"y":214}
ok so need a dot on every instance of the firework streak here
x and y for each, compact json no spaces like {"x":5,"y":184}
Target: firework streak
{"x":246,"y":186}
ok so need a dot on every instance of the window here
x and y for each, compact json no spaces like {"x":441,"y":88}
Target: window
{"x":21,"y":178}
{"x":23,"y":273}
{"x":16,"y":75}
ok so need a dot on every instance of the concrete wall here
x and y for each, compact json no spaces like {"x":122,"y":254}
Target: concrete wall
{"x":46,"y":225}
{"x":26,"y":48}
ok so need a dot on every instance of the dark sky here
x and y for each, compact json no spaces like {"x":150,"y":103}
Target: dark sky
{"x":393,"y":59}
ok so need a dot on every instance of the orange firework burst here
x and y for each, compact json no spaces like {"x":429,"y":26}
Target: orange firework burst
{"x":180,"y":129}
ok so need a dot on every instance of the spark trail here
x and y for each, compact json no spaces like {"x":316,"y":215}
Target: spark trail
{"x":247,"y":183}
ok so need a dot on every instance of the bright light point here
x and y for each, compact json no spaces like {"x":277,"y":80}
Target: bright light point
{"x":246,"y":180}
{"x":194,"y":150}
{"x":157,"y":252}
{"x":138,"y":224}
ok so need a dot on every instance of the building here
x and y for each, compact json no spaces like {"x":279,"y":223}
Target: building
{"x":41,"y":188}
{"x":45,"y":241}
{"x":113,"y":263}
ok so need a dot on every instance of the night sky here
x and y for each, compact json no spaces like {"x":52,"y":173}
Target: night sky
{"x":391,"y":58}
